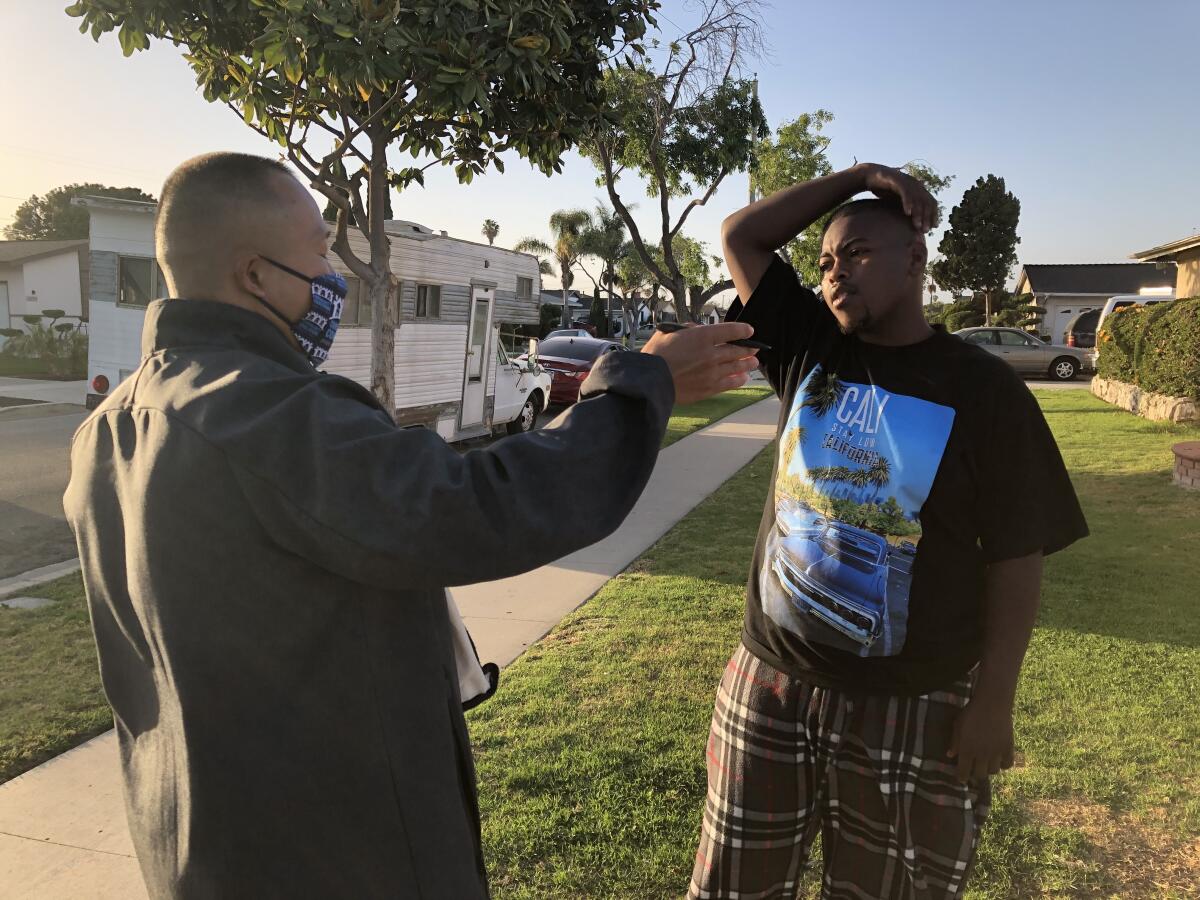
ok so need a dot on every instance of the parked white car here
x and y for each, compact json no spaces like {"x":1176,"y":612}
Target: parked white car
{"x":568,"y":332}
{"x":1122,"y":300}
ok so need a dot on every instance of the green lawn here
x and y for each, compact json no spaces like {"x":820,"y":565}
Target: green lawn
{"x":694,"y":416}
{"x":591,"y":756}
{"x":50,"y":698}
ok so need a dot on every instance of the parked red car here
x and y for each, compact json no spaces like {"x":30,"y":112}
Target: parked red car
{"x":569,"y":360}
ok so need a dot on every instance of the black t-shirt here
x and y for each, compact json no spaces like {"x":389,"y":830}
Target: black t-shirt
{"x":901,"y":473}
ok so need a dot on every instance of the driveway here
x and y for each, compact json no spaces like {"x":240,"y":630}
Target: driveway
{"x":34,"y":448}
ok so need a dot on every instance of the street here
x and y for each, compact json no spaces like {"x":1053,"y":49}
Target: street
{"x":34,"y":445}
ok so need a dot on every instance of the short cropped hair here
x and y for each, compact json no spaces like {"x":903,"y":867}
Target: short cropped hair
{"x":207,"y":191}
{"x":889,"y":207}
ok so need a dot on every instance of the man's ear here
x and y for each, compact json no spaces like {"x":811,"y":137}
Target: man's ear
{"x":248,"y":274}
{"x":918,"y":257}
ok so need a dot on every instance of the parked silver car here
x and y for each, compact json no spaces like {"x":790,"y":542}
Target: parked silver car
{"x":1027,"y":354}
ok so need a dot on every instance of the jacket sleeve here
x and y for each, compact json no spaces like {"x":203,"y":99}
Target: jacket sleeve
{"x":333,"y":480}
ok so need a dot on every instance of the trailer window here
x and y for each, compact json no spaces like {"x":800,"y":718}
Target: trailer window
{"x":429,"y":301}
{"x":357,"y":309}
{"x":524,"y":288}
{"x":139,"y":280}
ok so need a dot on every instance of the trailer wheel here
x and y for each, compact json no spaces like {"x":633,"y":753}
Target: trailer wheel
{"x":527,"y":418}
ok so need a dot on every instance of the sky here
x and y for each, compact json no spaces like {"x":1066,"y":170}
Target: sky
{"x":1087,"y":108}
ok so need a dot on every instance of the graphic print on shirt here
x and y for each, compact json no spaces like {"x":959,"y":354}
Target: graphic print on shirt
{"x":855,"y":466}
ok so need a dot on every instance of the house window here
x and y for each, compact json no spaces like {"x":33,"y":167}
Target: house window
{"x":429,"y":301}
{"x":139,"y":280}
{"x":524,"y":288}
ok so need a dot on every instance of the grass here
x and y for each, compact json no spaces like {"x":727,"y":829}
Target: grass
{"x":690,"y":417}
{"x":591,"y":756}
{"x":50,"y":697}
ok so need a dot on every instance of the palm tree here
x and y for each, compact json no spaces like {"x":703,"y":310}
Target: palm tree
{"x":567,"y":226}
{"x":880,"y":473}
{"x":823,"y":392}
{"x":604,"y":238}
{"x":792,"y":439}
{"x":491,"y":228}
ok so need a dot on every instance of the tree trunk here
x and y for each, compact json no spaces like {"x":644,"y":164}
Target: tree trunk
{"x":383,"y":322}
{"x":987,"y":307}
{"x":566,"y":312}
{"x":608,"y":309}
{"x":679,"y":298}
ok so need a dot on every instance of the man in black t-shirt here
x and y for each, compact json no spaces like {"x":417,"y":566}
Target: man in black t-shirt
{"x":898,"y":568}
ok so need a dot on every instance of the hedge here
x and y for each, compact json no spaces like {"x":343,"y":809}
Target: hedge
{"x":1156,"y":347}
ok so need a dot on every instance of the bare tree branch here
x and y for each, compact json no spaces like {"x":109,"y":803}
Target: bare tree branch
{"x":712,"y":189}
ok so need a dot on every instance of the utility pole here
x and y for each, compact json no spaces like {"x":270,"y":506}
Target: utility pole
{"x":750,"y":171}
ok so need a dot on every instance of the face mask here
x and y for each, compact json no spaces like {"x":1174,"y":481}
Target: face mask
{"x":315,"y":332}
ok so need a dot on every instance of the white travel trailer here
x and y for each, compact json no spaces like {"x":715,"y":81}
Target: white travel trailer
{"x":452,"y":372}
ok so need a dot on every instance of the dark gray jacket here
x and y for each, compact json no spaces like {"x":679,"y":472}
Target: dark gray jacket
{"x":265,"y":556}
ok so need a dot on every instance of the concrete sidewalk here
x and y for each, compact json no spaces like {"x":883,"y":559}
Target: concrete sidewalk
{"x":44,"y":391}
{"x":62,"y":825}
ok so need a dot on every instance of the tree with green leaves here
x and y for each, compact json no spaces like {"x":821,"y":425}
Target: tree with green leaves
{"x":797,"y":153}
{"x":330,"y":213}
{"x":490,"y":229}
{"x":980,"y":247}
{"x":51,"y":217}
{"x":604,"y":239}
{"x":681,"y":125}
{"x":794,"y":155}
{"x":597,"y":315}
{"x":566,"y":247}
{"x":636,"y":284}
{"x":339,"y":83}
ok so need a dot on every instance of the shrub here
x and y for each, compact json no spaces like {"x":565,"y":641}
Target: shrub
{"x":61,"y":348}
{"x":1169,"y":353}
{"x":1156,"y":347}
{"x":1116,"y":340}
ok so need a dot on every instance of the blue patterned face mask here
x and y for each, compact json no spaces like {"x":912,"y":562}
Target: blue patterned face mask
{"x":315,"y":332}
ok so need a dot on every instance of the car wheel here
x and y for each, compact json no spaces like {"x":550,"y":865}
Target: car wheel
{"x":527,"y":418}
{"x":1064,"y":369}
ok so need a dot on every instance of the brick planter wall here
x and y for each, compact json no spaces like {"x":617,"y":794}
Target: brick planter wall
{"x":1187,"y":464}
{"x":1157,"y":407}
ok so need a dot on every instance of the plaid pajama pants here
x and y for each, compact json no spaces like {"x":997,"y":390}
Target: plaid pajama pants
{"x":787,"y":759}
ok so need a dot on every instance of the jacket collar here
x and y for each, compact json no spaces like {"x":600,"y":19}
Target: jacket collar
{"x":178,"y":323}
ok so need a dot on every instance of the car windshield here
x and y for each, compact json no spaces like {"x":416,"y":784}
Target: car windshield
{"x":570,"y":348}
{"x":848,"y":552}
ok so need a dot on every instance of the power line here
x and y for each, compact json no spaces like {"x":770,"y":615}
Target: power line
{"x":76,"y":161}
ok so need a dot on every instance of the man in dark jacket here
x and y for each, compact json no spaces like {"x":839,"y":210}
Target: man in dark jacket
{"x":266,"y":556}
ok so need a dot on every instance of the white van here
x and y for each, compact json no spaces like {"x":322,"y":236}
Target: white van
{"x":453,"y":373}
{"x":1122,"y":300}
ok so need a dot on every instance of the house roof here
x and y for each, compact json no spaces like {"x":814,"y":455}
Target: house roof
{"x":145,"y":206}
{"x":1097,"y":278}
{"x":1168,"y":251}
{"x":21,"y":251}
